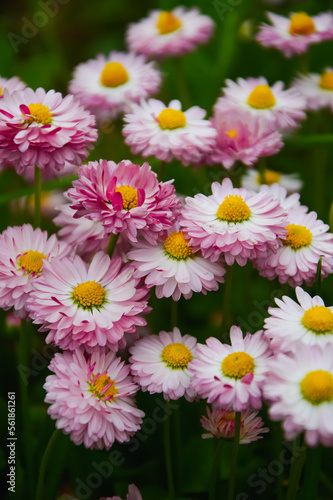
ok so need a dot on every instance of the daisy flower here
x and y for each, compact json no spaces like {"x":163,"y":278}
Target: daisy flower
{"x":160,"y":364}
{"x":296,"y":261}
{"x":291,"y":323}
{"x":88,"y":305}
{"x":292,"y":35}
{"x":316,"y":89}
{"x":253,"y":180}
{"x":220,"y":423}
{"x":270,"y":104}
{"x":173,"y":268}
{"x":169,"y":33}
{"x":91,"y":398}
{"x":106,"y":85}
{"x":133,"y":494}
{"x":288,"y":202}
{"x":232,"y":376}
{"x":124,"y":198}
{"x":23,"y":254}
{"x":299,"y":390}
{"x":11,"y":85}
{"x":234,"y":222}
{"x":167,"y":132}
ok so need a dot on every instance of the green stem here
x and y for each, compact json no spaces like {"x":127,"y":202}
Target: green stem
{"x":161,"y":173}
{"x":295,"y":470}
{"x":318,"y":277}
{"x":173,"y":313}
{"x":182,"y":87}
{"x":215,"y":470}
{"x":38,"y":190}
{"x":44,"y":464}
{"x":261,"y":168}
{"x":234,"y":456}
{"x":311,"y":473}
{"x":226,"y":302}
{"x":112,"y":244}
{"x":167,"y":455}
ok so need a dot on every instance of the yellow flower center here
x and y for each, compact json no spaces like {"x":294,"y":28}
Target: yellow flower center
{"x":317,"y":387}
{"x":297,"y":236}
{"x":301,"y":24}
{"x":40,"y":114}
{"x":103,"y":387}
{"x":261,"y":97}
{"x":233,"y":209}
{"x":171,"y":118}
{"x":168,"y":23}
{"x":232,"y":133}
{"x":177,"y":247}
{"x":129,"y":195}
{"x":89,"y":295}
{"x":176,"y":356}
{"x":1,"y":91}
{"x":113,"y":75}
{"x":31,"y":261}
{"x":237,"y":365}
{"x":326,"y":80}
{"x":318,"y":319}
{"x":270,"y":177}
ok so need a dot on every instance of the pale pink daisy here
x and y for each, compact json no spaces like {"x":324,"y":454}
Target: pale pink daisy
{"x":11,"y":85}
{"x":90,"y":305}
{"x":23,"y":254}
{"x":271,"y":104}
{"x":133,"y":494}
{"x":167,"y":132}
{"x":169,"y":33}
{"x":289,"y":202}
{"x":292,"y":35}
{"x":108,"y":84}
{"x":92,"y":398}
{"x":253,"y":180}
{"x":125,"y":198}
{"x":234,"y":222}
{"x":173,"y":268}
{"x":44,"y":129}
{"x":291,"y":323}
{"x":220,"y":423}
{"x":160,"y":364}
{"x":299,"y":390}
{"x":232,"y":376}
{"x":307,"y":240}
{"x":316,"y":88}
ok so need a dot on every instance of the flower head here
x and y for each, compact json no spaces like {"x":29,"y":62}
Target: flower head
{"x":316,"y":88}
{"x":253,"y":180}
{"x":11,"y":85}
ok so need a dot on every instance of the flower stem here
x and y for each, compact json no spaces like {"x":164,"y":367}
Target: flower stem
{"x":44,"y":463}
{"x":215,"y":470}
{"x":318,"y":277}
{"x":161,"y":173}
{"x":112,"y":244}
{"x":38,"y":191}
{"x":173,"y":316}
{"x":234,"y":456}
{"x":311,"y":472}
{"x":295,"y":470}
{"x":182,"y":87}
{"x":226,"y":302}
{"x":167,"y":455}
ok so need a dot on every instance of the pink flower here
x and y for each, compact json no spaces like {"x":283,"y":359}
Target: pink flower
{"x":253,"y":180}
{"x":91,"y":398}
{"x":292,"y":35}
{"x":125,"y":198}
{"x":11,"y":85}
{"x":43,"y":129}
{"x":23,"y":255}
{"x":154,"y":129}
{"x":88,"y":305}
{"x":107,"y":85}
{"x":232,"y":376}
{"x":160,"y":364}
{"x":234,"y":222}
{"x":169,"y":33}
{"x":316,"y":88}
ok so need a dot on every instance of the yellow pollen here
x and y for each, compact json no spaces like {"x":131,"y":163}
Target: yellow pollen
{"x":89,"y":295}
{"x":317,"y":387}
{"x":40,"y":114}
{"x":237,"y":365}
{"x":1,"y":91}
{"x":326,"y":80}
{"x":99,"y":384}
{"x":113,"y":75}
{"x":301,"y":24}
{"x":129,"y":195}
{"x":318,"y":319}
{"x":171,"y":118}
{"x":261,"y":97}
{"x":176,"y":355}
{"x":270,"y":177}
{"x":32,"y":261}
{"x":177,"y":247}
{"x":297,"y":236}
{"x":233,"y":209}
{"x":168,"y":23}
{"x":232,"y":133}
